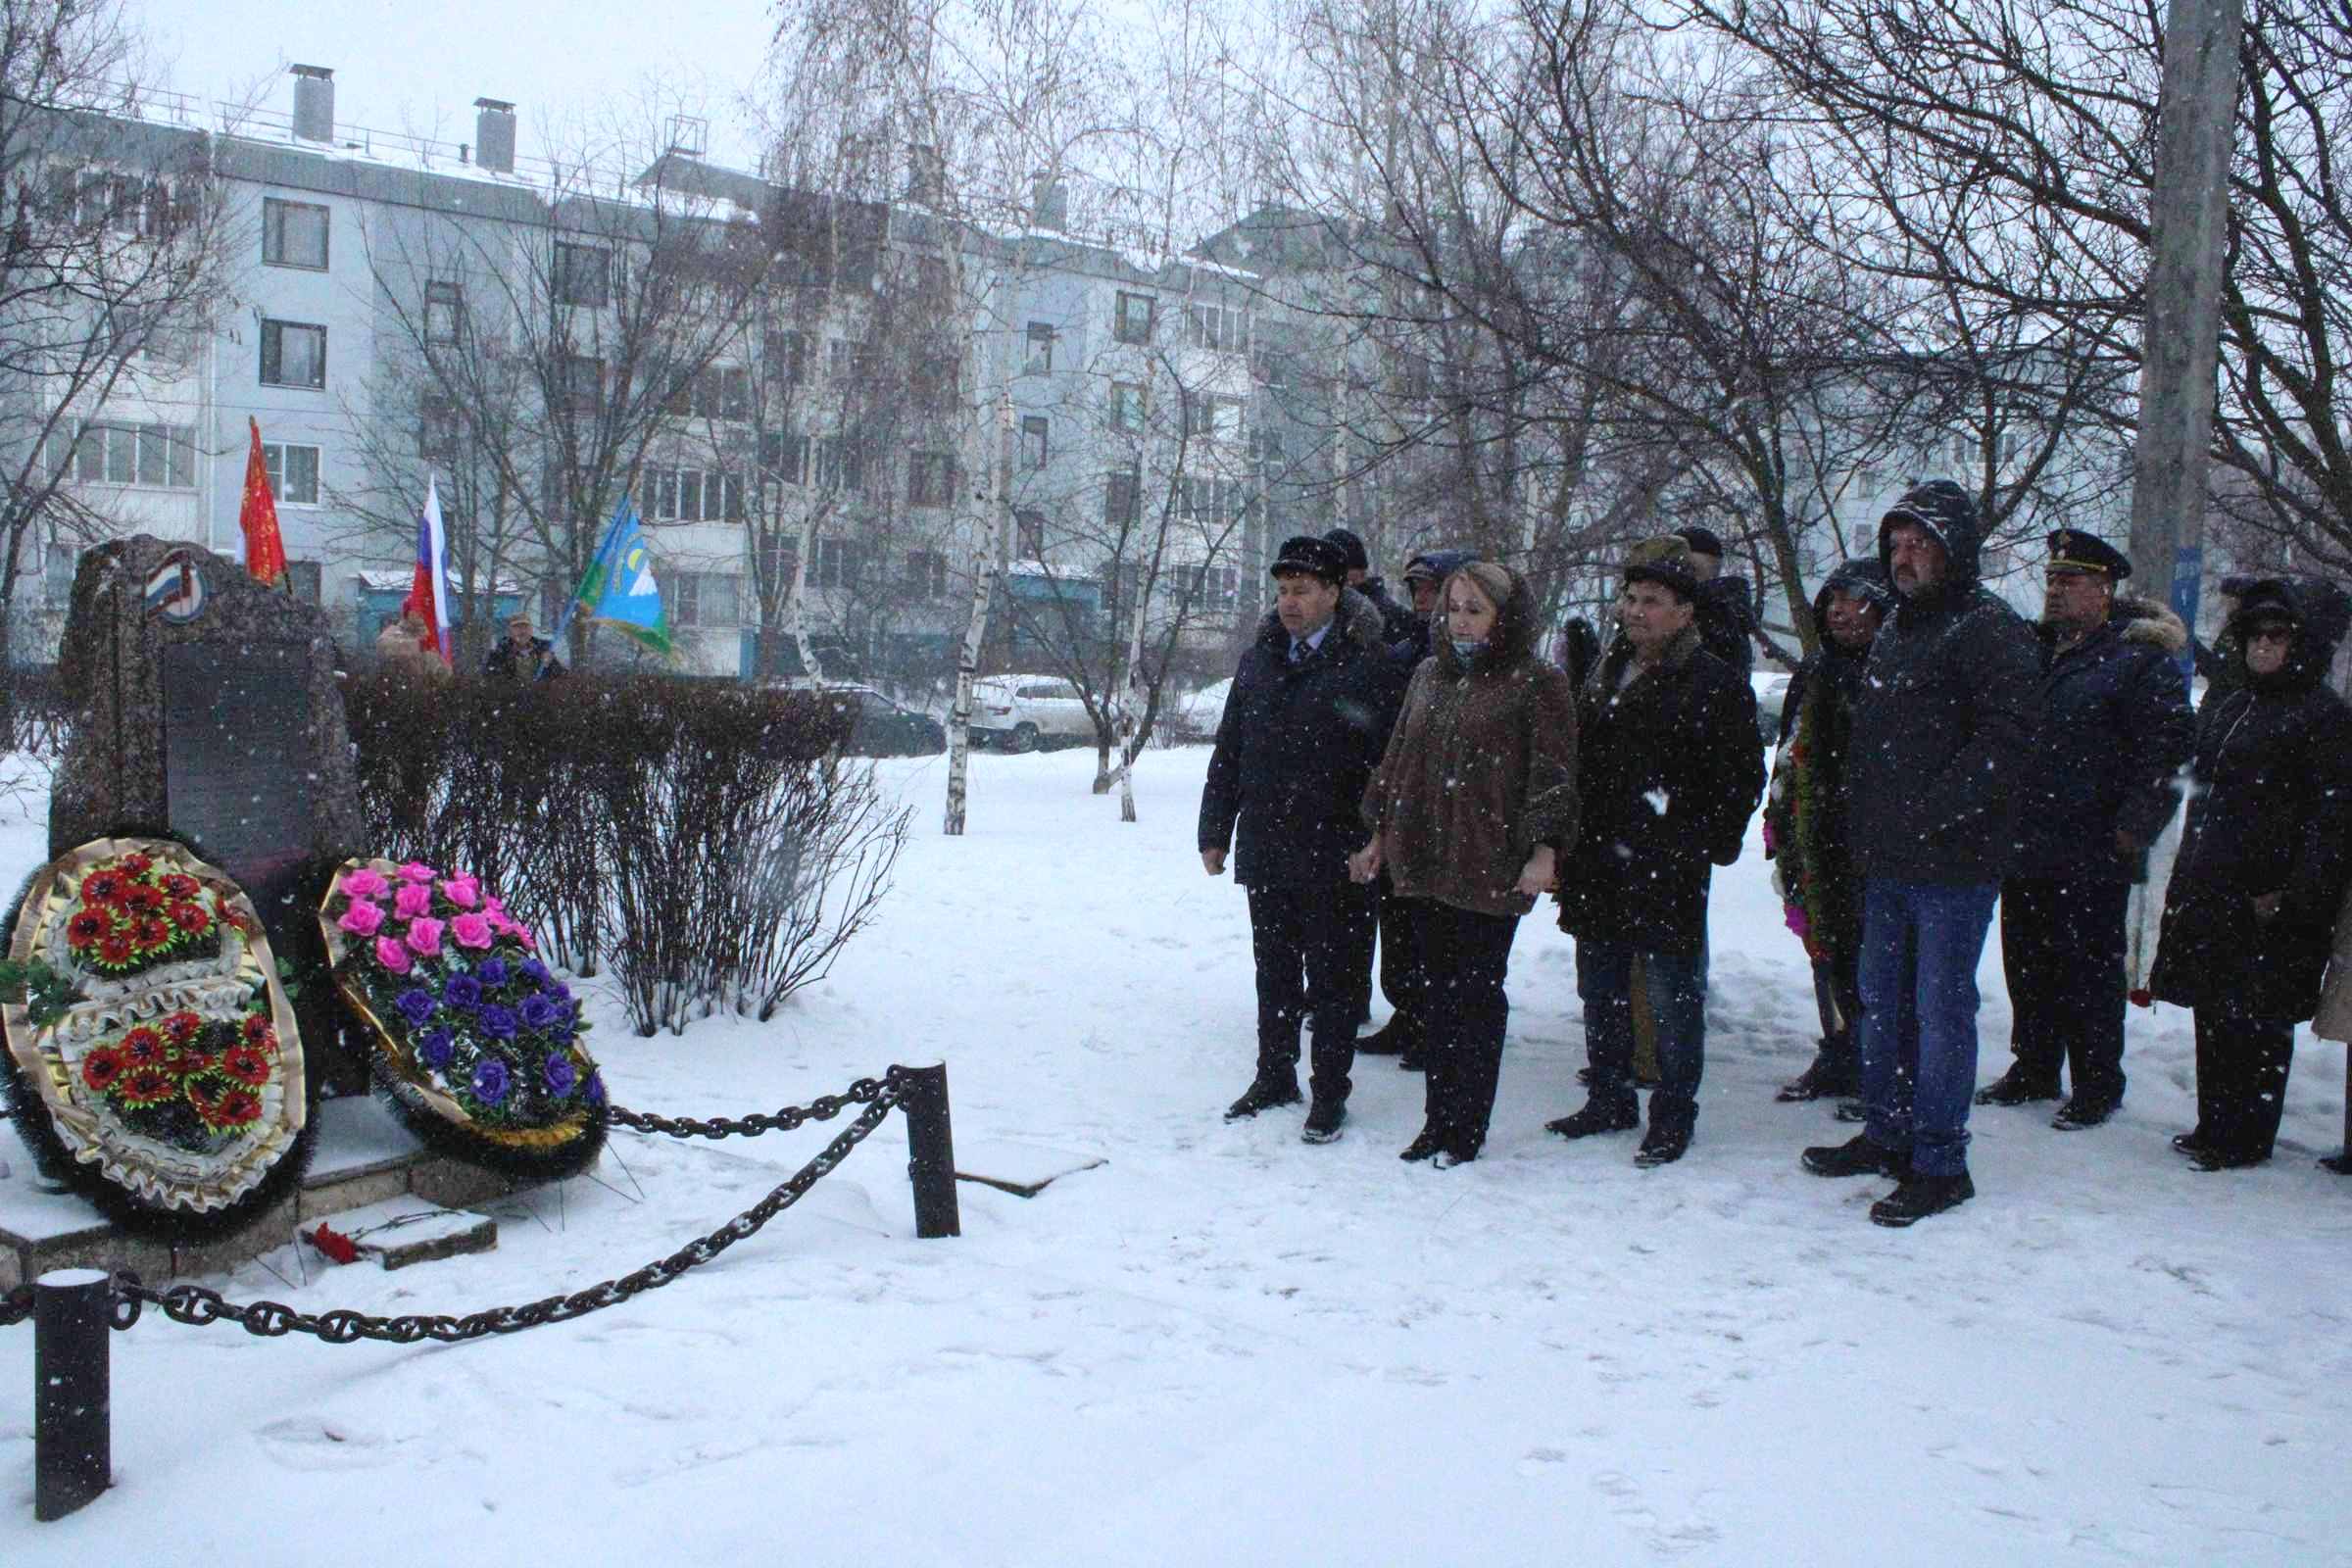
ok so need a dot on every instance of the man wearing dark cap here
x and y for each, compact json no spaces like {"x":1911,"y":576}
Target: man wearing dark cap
{"x":2113,"y":727}
{"x":1668,"y":768}
{"x":1302,"y":731}
{"x":1940,"y":731}
{"x":1397,"y":620}
{"x":1727,"y":618}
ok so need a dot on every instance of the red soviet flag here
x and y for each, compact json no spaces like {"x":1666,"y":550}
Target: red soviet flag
{"x":265,"y":551}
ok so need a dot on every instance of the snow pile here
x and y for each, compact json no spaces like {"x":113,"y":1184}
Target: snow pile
{"x":1224,"y":1347}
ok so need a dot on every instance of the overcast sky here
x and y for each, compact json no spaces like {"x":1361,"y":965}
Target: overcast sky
{"x":419,"y":65}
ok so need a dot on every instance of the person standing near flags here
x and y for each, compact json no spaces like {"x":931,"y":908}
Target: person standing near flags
{"x":521,"y":655}
{"x":404,"y":646}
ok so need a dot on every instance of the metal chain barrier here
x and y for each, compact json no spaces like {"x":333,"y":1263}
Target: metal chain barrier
{"x":792,"y":1117}
{"x":196,"y":1306}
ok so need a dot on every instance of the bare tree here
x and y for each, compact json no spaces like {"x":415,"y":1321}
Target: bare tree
{"x":112,"y":240}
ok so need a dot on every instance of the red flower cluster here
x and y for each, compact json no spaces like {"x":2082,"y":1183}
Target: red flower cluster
{"x":130,"y":918}
{"x":217,"y":1071}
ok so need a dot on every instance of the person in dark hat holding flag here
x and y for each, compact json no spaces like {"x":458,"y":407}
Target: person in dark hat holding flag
{"x":1308,"y":715}
{"x":2112,"y":729}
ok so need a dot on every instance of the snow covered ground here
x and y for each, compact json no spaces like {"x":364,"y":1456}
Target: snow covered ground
{"x":1224,"y":1347}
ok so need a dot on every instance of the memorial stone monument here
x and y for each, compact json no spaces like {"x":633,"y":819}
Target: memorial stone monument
{"x":205,"y":704}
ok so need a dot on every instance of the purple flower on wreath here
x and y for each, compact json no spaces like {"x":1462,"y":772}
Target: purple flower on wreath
{"x":559,"y":1074}
{"x":539,"y":1011}
{"x":416,"y":1004}
{"x":463,"y":991}
{"x":594,"y":1092}
{"x":491,"y":1081}
{"x":533,"y":970}
{"x":435,"y":1049}
{"x":491,"y":971}
{"x":497,"y":1022}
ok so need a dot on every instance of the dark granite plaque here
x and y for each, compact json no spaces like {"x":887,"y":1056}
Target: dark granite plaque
{"x":235,"y":779}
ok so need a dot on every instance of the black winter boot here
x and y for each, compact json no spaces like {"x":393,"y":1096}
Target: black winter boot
{"x":1597,"y":1117}
{"x":1830,"y":1076}
{"x":1398,"y":1036}
{"x":1323,"y":1119}
{"x":1264,"y":1095}
{"x":2017,"y":1086}
{"x":1856,"y":1157}
{"x":1921,"y":1196}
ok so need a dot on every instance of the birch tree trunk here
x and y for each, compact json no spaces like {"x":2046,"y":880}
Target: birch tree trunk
{"x":984,"y":577}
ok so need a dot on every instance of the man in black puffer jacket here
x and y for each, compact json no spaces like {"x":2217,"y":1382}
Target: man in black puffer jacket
{"x":1308,"y":715}
{"x":2114,"y":728}
{"x":1939,"y":732}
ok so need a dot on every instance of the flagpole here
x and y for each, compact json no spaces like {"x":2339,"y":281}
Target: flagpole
{"x":604,"y":548}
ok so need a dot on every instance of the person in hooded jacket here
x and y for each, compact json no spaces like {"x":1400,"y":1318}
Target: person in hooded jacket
{"x":1670,"y":770}
{"x":1309,"y":710}
{"x":2252,"y":903}
{"x":2113,"y":729}
{"x":1400,"y":941}
{"x":1939,"y":736}
{"x":1727,"y":608}
{"x":1804,"y":818}
{"x":1470,"y":810}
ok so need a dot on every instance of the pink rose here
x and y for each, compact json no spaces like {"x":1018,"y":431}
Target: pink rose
{"x":424,"y":937}
{"x":417,"y":871}
{"x":412,"y":899}
{"x":362,"y":919}
{"x":391,"y":954}
{"x":531,"y":944}
{"x":494,"y":906}
{"x":462,"y":891}
{"x":470,"y":931}
{"x":361,"y":882}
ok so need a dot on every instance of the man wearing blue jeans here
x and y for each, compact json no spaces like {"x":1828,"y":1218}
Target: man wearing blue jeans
{"x":1939,"y":729}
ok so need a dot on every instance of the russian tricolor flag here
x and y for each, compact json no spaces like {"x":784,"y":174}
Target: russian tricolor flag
{"x":428,"y":591}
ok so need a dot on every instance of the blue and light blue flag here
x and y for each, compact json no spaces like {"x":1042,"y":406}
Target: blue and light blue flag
{"x":620,"y":589}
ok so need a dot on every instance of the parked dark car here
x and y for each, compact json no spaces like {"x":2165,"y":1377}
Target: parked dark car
{"x":883,"y":728}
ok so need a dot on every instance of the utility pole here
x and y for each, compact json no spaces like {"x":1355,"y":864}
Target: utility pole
{"x":2181,"y":348}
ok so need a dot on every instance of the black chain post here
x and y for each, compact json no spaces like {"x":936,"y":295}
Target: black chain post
{"x":73,"y":1451}
{"x":930,"y":1149}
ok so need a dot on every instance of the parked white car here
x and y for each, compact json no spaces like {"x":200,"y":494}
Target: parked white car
{"x":1021,"y":713}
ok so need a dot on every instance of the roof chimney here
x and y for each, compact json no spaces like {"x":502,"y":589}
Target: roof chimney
{"x":1052,"y":205}
{"x":314,"y":102}
{"x":494,"y":135}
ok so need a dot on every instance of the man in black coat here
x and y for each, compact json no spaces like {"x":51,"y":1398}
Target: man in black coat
{"x":1303,"y":729}
{"x":1397,"y":620}
{"x":1939,"y":736}
{"x":1669,"y":769}
{"x":1727,"y":610}
{"x":2113,"y":729}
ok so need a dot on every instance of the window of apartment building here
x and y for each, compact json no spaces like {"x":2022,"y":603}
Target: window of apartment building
{"x":783,"y":357}
{"x":693,"y":495}
{"x":1040,"y":348}
{"x":57,"y":576}
{"x":846,"y":358}
{"x":926,"y":574}
{"x":703,"y":598}
{"x":1036,"y":441}
{"x":930,"y":478}
{"x":293,"y":234}
{"x":1207,"y":587}
{"x":836,"y":564}
{"x":1131,"y":321}
{"x":440,"y":428}
{"x":1269,"y":365}
{"x":778,"y":560}
{"x":1214,"y":503}
{"x":293,"y":354}
{"x":1217,"y":326}
{"x":1412,"y":378}
{"x":1128,"y":409}
{"x":306,"y":579}
{"x":1122,"y":495}
{"x":714,"y":392}
{"x":1029,"y":534}
{"x":293,"y":473}
{"x":1209,"y":418}
{"x":581,"y":383}
{"x":932,"y":384}
{"x":161,"y":456}
{"x":784,"y":456}
{"x":840,"y":463}
{"x":583,"y":276}
{"x":444,"y":312}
